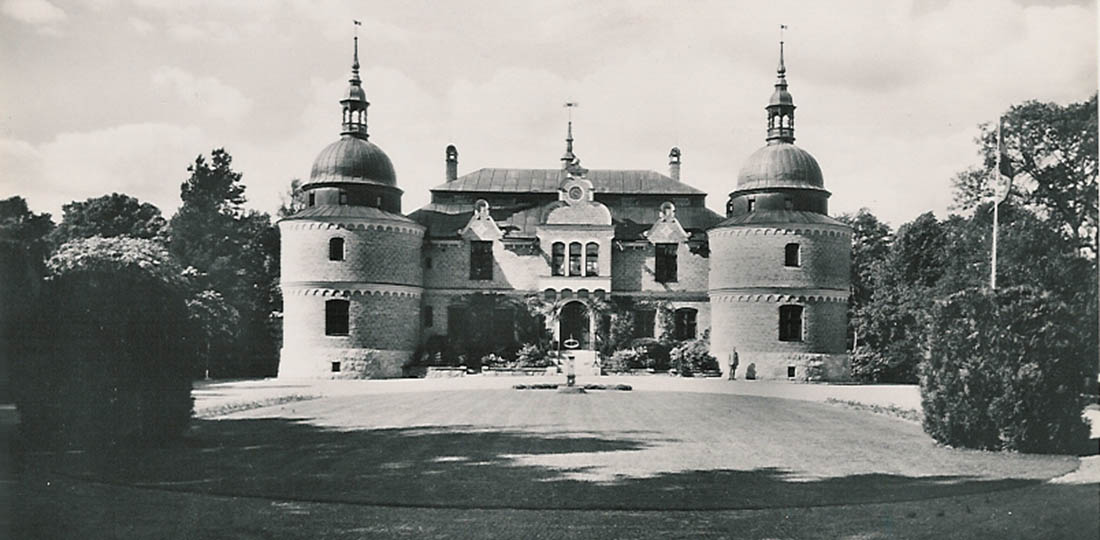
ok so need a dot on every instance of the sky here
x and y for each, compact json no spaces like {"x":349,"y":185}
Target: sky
{"x":102,"y":96}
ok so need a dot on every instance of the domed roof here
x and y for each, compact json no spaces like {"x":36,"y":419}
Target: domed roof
{"x":353,"y":159}
{"x":780,"y":165}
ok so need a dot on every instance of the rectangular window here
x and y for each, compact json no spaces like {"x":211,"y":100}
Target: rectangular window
{"x":665,"y":265}
{"x":752,"y":204}
{"x":557,"y":259}
{"x":336,"y":367}
{"x":790,"y":372}
{"x":575,"y":259}
{"x":312,"y":199}
{"x":685,"y":324}
{"x":343,"y":197}
{"x":481,"y":260}
{"x":336,"y":318}
{"x":336,"y":249}
{"x":592,"y":259}
{"x":644,"y":321}
{"x":792,"y":255}
{"x":790,"y":323}
{"x":429,"y":317}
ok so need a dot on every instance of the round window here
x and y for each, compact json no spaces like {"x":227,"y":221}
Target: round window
{"x":576,"y":193}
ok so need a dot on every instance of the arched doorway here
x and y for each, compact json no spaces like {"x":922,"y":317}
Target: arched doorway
{"x":574,"y":323}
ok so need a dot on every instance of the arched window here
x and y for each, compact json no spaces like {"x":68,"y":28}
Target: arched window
{"x":557,"y":259}
{"x":336,"y":318}
{"x":592,"y":259}
{"x":790,"y":323}
{"x":575,"y":259}
{"x":684,"y":319}
{"x":792,"y":255}
{"x":336,"y":249}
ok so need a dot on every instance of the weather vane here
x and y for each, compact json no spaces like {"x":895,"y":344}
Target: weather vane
{"x":570,"y":105}
{"x":782,"y":27}
{"x":357,"y":25}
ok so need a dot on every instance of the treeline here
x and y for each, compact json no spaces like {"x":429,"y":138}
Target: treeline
{"x":228,"y":256}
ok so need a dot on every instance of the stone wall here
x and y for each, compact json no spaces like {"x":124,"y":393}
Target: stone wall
{"x":747,"y":257}
{"x":354,"y":363}
{"x":374,"y":252}
{"x":514,"y":267}
{"x":633,"y":268}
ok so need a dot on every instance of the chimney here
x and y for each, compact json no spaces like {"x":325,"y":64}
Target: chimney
{"x":674,"y":163}
{"x":452,"y":163}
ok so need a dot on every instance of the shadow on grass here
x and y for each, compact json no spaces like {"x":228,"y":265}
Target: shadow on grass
{"x":466,"y":467}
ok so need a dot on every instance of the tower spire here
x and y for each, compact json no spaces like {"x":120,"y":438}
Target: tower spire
{"x":569,"y":158}
{"x":354,"y":103}
{"x":781,"y":105}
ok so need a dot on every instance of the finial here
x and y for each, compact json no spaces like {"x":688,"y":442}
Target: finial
{"x":355,"y":61}
{"x":782,"y":68}
{"x":569,"y":158}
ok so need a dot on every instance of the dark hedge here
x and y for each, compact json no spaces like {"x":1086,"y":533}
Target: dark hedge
{"x":107,"y":350}
{"x":1007,"y":371}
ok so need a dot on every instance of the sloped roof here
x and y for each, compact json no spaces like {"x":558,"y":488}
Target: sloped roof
{"x":779,"y":217}
{"x":345,"y":212}
{"x":547,"y":181}
{"x":443,"y":220}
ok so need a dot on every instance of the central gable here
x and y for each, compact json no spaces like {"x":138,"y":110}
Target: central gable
{"x":613,"y":181}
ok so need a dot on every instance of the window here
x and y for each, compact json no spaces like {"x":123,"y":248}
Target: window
{"x":336,"y":367}
{"x":312,"y":199}
{"x":643,"y":323}
{"x":792,"y":255}
{"x":790,"y":323}
{"x":592,"y":259}
{"x":665,"y":266}
{"x":429,"y":317}
{"x":788,"y":203}
{"x":343,"y":197}
{"x":752,"y":204}
{"x":336,"y":318}
{"x":575,"y":259}
{"x":557,"y":259}
{"x":790,"y":372}
{"x":481,"y":260}
{"x":685,"y":323}
{"x":336,"y":249}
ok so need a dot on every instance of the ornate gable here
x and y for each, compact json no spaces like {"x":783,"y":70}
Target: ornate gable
{"x":667,"y":229}
{"x":481,"y":225}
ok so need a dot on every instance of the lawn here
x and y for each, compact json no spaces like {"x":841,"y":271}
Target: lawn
{"x":454,"y":462}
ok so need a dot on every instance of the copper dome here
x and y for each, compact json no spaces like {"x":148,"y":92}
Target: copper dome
{"x":780,"y":166}
{"x":353,"y":159}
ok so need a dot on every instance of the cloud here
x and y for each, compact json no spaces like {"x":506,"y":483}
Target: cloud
{"x":39,"y":13}
{"x":207,"y":95}
{"x":141,"y":26}
{"x":147,"y":161}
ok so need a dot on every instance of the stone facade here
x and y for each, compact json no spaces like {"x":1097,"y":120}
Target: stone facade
{"x":365,"y":286}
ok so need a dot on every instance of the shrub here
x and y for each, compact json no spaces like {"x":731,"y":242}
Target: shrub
{"x":531,"y":355}
{"x":693,"y":356}
{"x":623,"y":360}
{"x":653,"y":354}
{"x":1006,"y":371}
{"x":108,"y":355}
{"x":750,"y":372}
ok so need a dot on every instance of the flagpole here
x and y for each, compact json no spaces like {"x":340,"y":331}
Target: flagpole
{"x":996,"y":205}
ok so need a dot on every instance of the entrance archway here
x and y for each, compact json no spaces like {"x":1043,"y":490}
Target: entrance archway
{"x":574,"y":323}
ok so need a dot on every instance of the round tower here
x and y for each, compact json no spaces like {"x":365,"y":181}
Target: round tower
{"x":350,"y":262}
{"x":779,"y":265}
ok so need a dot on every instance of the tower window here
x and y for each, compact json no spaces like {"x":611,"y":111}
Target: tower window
{"x":343,"y":197}
{"x":336,"y":318}
{"x":685,"y":324}
{"x":788,"y":203}
{"x":335,"y":367}
{"x":557,"y":259}
{"x":481,"y":260}
{"x":792,"y":255}
{"x":312,"y":199}
{"x":575,"y":259}
{"x":752,"y":204}
{"x":790,"y":323}
{"x":665,"y":265}
{"x":336,"y":249}
{"x":592,"y":259}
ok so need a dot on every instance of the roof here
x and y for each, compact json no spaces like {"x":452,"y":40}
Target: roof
{"x":353,"y":159}
{"x":779,"y":217}
{"x":781,"y":165}
{"x":548,"y":180}
{"x":325,"y":211}
{"x":443,"y":220}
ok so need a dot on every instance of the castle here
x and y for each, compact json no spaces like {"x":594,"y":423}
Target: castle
{"x":365,"y":286}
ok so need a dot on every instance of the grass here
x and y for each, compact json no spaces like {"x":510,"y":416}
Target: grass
{"x":911,"y":415}
{"x":502,"y":464}
{"x":239,"y":406}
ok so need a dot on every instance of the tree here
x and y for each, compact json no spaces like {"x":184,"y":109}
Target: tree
{"x":23,"y":251}
{"x":108,"y":216}
{"x":107,"y":356}
{"x":1052,"y":151}
{"x":871,"y":240}
{"x":291,"y":201}
{"x":235,"y":253}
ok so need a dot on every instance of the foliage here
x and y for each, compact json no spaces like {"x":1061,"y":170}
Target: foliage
{"x":1007,"y":371}
{"x":23,"y":252}
{"x":532,"y":355}
{"x":693,"y":356}
{"x":290,"y":202}
{"x":623,"y":360}
{"x":216,"y":321}
{"x":871,"y":240}
{"x":108,"y":216}
{"x":619,"y":329}
{"x":107,"y":355}
{"x":236,"y":253}
{"x":652,"y":353}
{"x":1052,"y":150}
